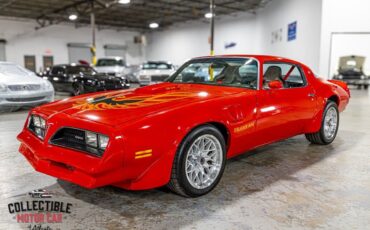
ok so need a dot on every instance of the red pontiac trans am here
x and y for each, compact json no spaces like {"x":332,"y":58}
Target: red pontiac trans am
{"x":179,"y":133}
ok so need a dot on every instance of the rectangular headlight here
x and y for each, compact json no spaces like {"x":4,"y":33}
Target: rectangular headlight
{"x":91,"y":139}
{"x":103,"y":142}
{"x":37,"y":125}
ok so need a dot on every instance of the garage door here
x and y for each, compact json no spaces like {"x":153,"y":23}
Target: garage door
{"x":2,"y":50}
{"x":346,"y":44}
{"x":79,"y":51}
{"x":115,"y":50}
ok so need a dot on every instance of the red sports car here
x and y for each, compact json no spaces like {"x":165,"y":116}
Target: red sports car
{"x":179,"y":133}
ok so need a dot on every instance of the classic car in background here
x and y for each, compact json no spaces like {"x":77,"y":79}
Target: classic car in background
{"x":20,"y":87}
{"x":114,"y":66}
{"x":351,"y":71}
{"x":80,"y":79}
{"x":179,"y":133}
{"x":152,"y":72}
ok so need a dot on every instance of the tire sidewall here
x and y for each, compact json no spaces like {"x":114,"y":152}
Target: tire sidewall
{"x":329,"y":105}
{"x":183,"y":152}
{"x":80,"y":89}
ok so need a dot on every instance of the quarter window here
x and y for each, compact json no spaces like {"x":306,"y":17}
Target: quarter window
{"x":290,"y":75}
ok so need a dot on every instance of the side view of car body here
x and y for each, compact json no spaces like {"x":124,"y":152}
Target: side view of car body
{"x":152,"y":72}
{"x":80,"y":79}
{"x":179,"y":133}
{"x":351,"y":71}
{"x":20,"y":87}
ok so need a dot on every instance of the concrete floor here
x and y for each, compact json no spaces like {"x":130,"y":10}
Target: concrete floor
{"x":286,"y":185}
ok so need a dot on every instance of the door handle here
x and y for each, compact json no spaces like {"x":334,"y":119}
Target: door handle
{"x":311,"y":95}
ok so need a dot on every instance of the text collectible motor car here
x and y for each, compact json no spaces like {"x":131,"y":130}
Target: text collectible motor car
{"x":351,"y":71}
{"x":20,"y":87}
{"x":179,"y":133}
{"x":80,"y":79}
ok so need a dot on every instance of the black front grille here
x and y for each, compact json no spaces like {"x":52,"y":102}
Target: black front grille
{"x":159,"y":77}
{"x":110,"y":84}
{"x":74,"y":139}
{"x":27,"y":87}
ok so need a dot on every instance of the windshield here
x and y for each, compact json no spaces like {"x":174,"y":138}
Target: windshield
{"x":11,"y":69}
{"x":238,"y":72}
{"x":80,"y":69}
{"x":110,"y":62}
{"x":157,"y":65}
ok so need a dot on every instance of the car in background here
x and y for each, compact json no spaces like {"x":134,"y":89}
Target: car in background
{"x":113,"y":66}
{"x":80,"y":79}
{"x":20,"y":87}
{"x":152,"y":72}
{"x":351,"y":71}
{"x":179,"y":133}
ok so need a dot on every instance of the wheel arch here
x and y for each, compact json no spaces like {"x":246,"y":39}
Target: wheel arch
{"x":334,"y":98}
{"x":218,"y":125}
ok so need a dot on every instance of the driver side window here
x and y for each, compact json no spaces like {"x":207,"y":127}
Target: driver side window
{"x":290,"y":75}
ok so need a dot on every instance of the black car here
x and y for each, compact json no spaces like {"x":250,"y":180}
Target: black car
{"x":351,"y":71}
{"x":80,"y":79}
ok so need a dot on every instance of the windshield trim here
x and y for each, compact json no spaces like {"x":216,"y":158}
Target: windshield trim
{"x":173,"y":76}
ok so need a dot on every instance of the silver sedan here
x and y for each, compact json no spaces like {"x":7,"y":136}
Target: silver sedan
{"x":20,"y":87}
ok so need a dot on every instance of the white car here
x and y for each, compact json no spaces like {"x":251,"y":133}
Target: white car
{"x":153,"y":72}
{"x":114,"y":66}
{"x":20,"y":87}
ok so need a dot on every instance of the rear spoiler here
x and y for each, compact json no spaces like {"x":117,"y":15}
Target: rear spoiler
{"x":342,"y":84}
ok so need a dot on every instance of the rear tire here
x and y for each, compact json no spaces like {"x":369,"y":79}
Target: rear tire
{"x":199,"y":162}
{"x":329,"y":126}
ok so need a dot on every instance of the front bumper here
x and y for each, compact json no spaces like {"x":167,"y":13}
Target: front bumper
{"x":356,"y":81}
{"x":26,"y":98}
{"x":71,"y":165}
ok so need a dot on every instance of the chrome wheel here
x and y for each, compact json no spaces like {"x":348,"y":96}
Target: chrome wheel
{"x":204,"y":161}
{"x":330,"y":123}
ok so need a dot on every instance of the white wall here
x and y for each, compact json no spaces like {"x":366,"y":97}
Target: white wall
{"x":252,"y":33}
{"x":23,"y":39}
{"x":277,"y":15}
{"x":342,"y":16}
{"x":189,"y":40}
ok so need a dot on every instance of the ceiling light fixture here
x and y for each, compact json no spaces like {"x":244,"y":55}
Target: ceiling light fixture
{"x":208,"y":15}
{"x":124,"y":1}
{"x":153,"y":25}
{"x":73,"y":17}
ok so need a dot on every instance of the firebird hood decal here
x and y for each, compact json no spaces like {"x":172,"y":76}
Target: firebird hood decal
{"x":122,"y":102}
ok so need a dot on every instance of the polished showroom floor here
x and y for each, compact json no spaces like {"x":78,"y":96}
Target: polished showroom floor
{"x":290,"y":184}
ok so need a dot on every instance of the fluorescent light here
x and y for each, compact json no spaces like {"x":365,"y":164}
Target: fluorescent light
{"x":208,"y":15}
{"x":123,"y":1}
{"x":73,"y":17}
{"x":153,"y":25}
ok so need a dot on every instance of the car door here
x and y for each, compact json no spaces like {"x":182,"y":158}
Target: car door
{"x":283,"y":112}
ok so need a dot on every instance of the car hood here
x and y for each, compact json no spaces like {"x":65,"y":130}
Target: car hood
{"x":351,"y":62}
{"x":20,"y":79}
{"x":156,"y":72}
{"x":117,"y":107}
{"x":110,"y":69}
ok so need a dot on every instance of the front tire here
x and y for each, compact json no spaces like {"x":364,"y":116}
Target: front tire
{"x":78,"y":89}
{"x":329,"y":126}
{"x":199,"y":162}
